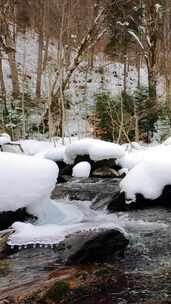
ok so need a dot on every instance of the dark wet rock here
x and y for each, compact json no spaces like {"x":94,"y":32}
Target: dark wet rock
{"x":118,"y":203}
{"x":105,"y":172}
{"x":106,"y":164}
{"x":163,"y":200}
{"x":81,"y":158}
{"x":105,"y":192}
{"x":94,"y":246}
{"x":100,"y":191}
{"x":58,"y":292}
{"x":64,"y":169}
{"x":5,"y":249}
{"x":9,"y":217}
{"x":141,"y":203}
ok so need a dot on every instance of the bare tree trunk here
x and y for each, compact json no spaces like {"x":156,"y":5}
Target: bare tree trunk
{"x":125,"y":75}
{"x":12,"y":62}
{"x":14,"y":74}
{"x":168,"y":90}
{"x":23,"y":93}
{"x":40,"y":51}
{"x":3,"y":94}
{"x":136,"y":116}
{"x":121,"y":121}
{"x":136,"y":123}
{"x":39,"y":65}
{"x":167,"y":59}
{"x":45,"y":54}
{"x":2,"y":84}
{"x":152,"y":82}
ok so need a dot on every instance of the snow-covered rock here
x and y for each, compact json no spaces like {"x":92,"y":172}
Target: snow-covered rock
{"x":150,"y":175}
{"x":43,"y":149}
{"x":32,"y":146}
{"x":81,"y":169}
{"x":25,"y":180}
{"x":130,"y":160}
{"x":133,"y":146}
{"x":95,"y":148}
{"x":55,"y":154}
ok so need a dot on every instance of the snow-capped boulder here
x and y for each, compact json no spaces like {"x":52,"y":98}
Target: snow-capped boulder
{"x":55,"y":154}
{"x":25,"y":180}
{"x":81,"y":169}
{"x":96,"y":149}
{"x":149,"y":176}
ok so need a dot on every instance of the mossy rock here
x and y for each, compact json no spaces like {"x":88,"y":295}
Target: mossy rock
{"x":58,"y":291}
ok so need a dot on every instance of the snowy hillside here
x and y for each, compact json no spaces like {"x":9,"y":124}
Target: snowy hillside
{"x":85,"y":82}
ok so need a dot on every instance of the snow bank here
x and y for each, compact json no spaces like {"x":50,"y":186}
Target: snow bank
{"x":150,"y":175}
{"x":81,"y":169}
{"x":95,"y":148}
{"x":25,"y":180}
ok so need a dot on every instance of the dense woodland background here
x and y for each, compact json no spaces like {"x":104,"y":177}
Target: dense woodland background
{"x":80,"y":68}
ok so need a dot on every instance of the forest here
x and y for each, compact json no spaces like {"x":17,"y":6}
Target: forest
{"x":103,"y":64}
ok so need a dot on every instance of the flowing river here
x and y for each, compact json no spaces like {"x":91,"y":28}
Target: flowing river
{"x":142,"y":276}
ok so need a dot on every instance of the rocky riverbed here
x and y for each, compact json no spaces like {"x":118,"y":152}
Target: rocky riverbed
{"x":142,"y":275}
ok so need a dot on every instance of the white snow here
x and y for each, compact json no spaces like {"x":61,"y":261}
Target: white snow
{"x":95,"y":148}
{"x":43,"y":149}
{"x":25,"y":180}
{"x":54,"y":150}
{"x":167,"y":141}
{"x":150,"y":175}
{"x":81,"y":169}
{"x":4,"y":139}
{"x":32,"y":146}
{"x":55,"y":154}
{"x":131,"y":159}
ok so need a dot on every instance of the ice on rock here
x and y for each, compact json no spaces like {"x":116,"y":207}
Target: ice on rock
{"x":25,"y":180}
{"x":81,"y":169}
{"x":77,"y":217}
{"x":95,"y":148}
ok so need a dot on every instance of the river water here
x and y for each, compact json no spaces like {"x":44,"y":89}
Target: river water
{"x":142,"y":276}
